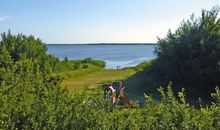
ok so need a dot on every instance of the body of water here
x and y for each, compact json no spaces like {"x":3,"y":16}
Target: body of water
{"x":113,"y":55}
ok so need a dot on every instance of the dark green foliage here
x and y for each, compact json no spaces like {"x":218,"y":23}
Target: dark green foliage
{"x":190,"y":57}
{"x":98,"y":63}
{"x":31,"y":97}
{"x":32,"y":101}
{"x":65,"y":59}
{"x":28,"y":92}
{"x":172,"y":113}
{"x":21,"y":47}
{"x":77,"y":64}
{"x":87,"y":60}
{"x":145,"y":65}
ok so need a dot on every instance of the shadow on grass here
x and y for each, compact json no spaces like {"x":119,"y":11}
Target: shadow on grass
{"x":147,"y":81}
{"x":136,"y":85}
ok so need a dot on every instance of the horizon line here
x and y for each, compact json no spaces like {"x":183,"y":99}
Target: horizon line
{"x":102,"y":43}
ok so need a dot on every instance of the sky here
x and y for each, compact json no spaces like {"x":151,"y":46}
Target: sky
{"x":97,"y":21}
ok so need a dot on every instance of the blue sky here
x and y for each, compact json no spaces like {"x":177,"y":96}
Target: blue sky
{"x":97,"y":21}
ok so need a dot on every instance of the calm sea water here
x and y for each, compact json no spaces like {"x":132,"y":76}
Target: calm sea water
{"x":113,"y":55}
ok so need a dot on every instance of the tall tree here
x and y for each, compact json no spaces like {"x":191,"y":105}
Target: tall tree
{"x":190,"y":57}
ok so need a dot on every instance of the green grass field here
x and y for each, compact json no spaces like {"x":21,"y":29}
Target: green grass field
{"x":85,"y":80}
{"x":94,"y":80}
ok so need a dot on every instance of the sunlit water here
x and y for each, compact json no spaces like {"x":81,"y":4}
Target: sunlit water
{"x":113,"y":55}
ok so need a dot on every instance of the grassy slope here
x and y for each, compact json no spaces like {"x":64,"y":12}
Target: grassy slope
{"x":85,"y":80}
{"x":93,"y":80}
{"x":136,"y":81}
{"x":138,"y":84}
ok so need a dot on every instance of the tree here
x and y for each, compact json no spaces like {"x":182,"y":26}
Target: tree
{"x":22,"y":47}
{"x":30,"y":96}
{"x":190,"y":57}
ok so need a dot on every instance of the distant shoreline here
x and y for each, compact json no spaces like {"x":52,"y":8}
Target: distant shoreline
{"x":101,"y":44}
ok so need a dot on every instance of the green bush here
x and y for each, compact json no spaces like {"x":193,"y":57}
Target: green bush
{"x":97,"y":63}
{"x":21,"y":47}
{"x":145,"y":65}
{"x":87,"y":60}
{"x":77,"y":64}
{"x":32,"y":98}
{"x":190,"y":56}
{"x":40,"y":103}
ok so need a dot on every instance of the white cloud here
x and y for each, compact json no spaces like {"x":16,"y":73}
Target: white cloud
{"x":3,"y":18}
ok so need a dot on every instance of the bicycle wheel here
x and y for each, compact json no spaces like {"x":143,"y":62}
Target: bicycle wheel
{"x":108,"y":97}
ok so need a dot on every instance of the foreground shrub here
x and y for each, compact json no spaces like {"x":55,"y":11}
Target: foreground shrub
{"x":31,"y":98}
{"x":172,"y":113}
{"x":47,"y":106}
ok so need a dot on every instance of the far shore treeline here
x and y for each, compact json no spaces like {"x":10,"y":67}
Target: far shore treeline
{"x":103,"y":43}
{"x":31,"y":95}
